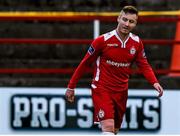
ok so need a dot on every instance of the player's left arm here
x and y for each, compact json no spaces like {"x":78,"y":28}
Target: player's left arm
{"x":158,"y":88}
{"x":146,"y":69}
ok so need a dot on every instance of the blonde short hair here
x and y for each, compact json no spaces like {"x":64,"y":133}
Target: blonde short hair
{"x":130,"y":9}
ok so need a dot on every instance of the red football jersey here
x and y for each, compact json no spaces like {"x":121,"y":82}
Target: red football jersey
{"x":114,"y":59}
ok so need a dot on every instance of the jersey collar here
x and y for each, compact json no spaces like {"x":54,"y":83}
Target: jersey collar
{"x":123,"y":44}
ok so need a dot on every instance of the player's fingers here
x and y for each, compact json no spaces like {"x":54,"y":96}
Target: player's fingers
{"x":71,"y":99}
{"x":160,"y":90}
{"x":70,"y":96}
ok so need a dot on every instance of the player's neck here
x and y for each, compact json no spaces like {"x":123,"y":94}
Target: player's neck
{"x":122,"y":36}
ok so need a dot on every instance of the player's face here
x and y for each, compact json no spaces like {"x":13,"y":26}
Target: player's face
{"x":126,"y":22}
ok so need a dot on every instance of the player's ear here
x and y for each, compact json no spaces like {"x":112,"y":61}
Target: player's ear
{"x":118,"y":18}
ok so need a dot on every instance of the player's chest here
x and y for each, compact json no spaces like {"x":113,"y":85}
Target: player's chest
{"x":117,"y":52}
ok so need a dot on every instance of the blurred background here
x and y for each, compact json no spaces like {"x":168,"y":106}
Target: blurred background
{"x":29,"y":56}
{"x":43,"y":41}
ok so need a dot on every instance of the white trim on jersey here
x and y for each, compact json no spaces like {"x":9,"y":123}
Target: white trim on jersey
{"x":134,"y":37}
{"x":108,"y":35}
{"x":123,"y":44}
{"x":98,"y":70}
{"x":93,"y":86}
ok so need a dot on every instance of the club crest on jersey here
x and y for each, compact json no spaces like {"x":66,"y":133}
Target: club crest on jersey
{"x":91,"y":50}
{"x":132,"y":51}
{"x":101,"y":113}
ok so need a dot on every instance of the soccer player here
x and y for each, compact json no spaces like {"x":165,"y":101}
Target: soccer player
{"x":113,"y":54}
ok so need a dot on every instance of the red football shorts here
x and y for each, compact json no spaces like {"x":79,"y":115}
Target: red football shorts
{"x":109,"y":105}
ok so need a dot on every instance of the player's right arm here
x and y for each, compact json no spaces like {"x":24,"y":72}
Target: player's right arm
{"x":90,"y":57}
{"x":70,"y":95}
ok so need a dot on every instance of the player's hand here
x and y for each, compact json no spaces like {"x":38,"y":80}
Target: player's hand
{"x":70,"y":95}
{"x":159,"y":88}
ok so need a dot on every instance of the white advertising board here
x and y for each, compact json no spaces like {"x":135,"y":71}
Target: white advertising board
{"x":45,"y":111}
